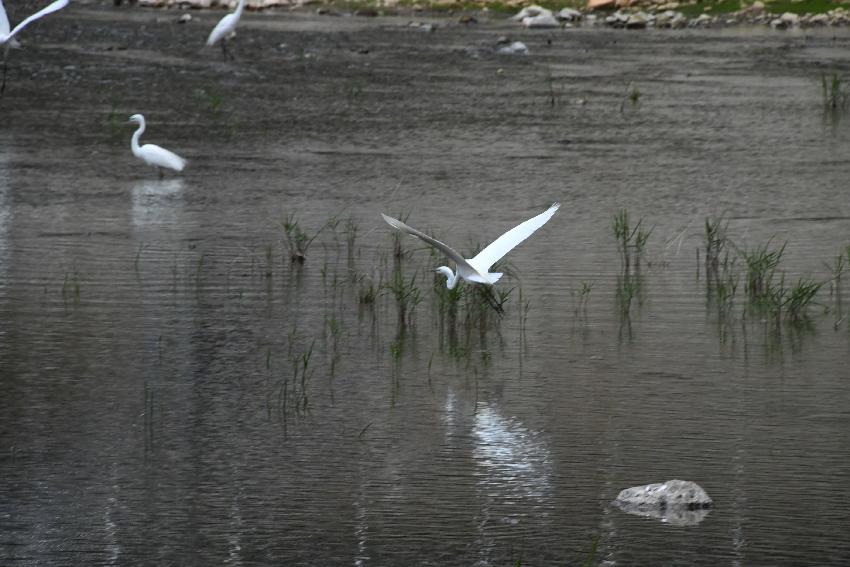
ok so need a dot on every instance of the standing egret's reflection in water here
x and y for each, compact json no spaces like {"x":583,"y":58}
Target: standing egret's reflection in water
{"x":157,"y":202}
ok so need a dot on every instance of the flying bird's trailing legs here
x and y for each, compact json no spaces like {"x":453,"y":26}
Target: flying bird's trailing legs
{"x":490,"y":295}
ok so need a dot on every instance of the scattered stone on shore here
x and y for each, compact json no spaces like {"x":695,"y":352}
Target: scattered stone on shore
{"x":790,"y":18}
{"x":632,"y":14}
{"x":678,"y":502}
{"x":637,"y":21}
{"x":541,"y":21}
{"x":569,"y":15}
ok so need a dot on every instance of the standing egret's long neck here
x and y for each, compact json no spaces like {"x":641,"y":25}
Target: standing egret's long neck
{"x":239,"y":8}
{"x":134,"y":143}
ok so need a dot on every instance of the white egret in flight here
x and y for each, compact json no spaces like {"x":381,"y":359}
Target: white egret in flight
{"x":152,"y":154}
{"x":477,"y":269}
{"x":7,"y":35}
{"x":225,"y":27}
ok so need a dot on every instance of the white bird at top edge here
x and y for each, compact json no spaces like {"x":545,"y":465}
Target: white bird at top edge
{"x":225,"y":27}
{"x":7,"y":35}
{"x":477,"y":269}
{"x":152,"y":154}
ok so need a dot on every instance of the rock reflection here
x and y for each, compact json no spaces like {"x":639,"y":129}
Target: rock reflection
{"x":676,"y":516}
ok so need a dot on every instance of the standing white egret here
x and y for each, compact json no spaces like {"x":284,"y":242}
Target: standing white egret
{"x":225,"y":27}
{"x":152,"y":154}
{"x":477,"y":269}
{"x":7,"y":35}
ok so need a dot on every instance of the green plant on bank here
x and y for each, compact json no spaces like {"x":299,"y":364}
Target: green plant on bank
{"x":297,"y":240}
{"x":834,"y":94}
{"x":631,"y":240}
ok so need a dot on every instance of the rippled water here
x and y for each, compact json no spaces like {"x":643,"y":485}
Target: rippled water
{"x":155,"y":407}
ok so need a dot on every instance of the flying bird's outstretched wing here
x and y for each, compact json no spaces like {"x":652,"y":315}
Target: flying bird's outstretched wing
{"x":50,"y":8}
{"x":450,"y":252}
{"x":508,"y":241}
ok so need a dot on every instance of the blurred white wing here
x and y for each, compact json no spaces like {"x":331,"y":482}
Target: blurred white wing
{"x":58,"y":5}
{"x":508,"y":241}
{"x":4,"y":21}
{"x":160,"y":157}
{"x":450,"y":252}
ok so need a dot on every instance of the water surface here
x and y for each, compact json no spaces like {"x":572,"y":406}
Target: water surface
{"x":154,"y":332}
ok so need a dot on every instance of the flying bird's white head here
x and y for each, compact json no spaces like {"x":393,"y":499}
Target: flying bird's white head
{"x":451,"y":282}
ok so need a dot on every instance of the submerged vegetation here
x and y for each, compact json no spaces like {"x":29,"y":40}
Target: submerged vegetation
{"x":766,"y":292}
{"x":631,"y":241}
{"x":387,"y":280}
{"x":834,"y":93}
{"x":297,"y":240}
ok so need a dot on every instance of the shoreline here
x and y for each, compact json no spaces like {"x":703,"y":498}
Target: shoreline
{"x":629,"y":14}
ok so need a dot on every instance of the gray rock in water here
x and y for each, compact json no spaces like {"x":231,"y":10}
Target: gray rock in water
{"x":515,"y":48}
{"x":678,"y":502}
